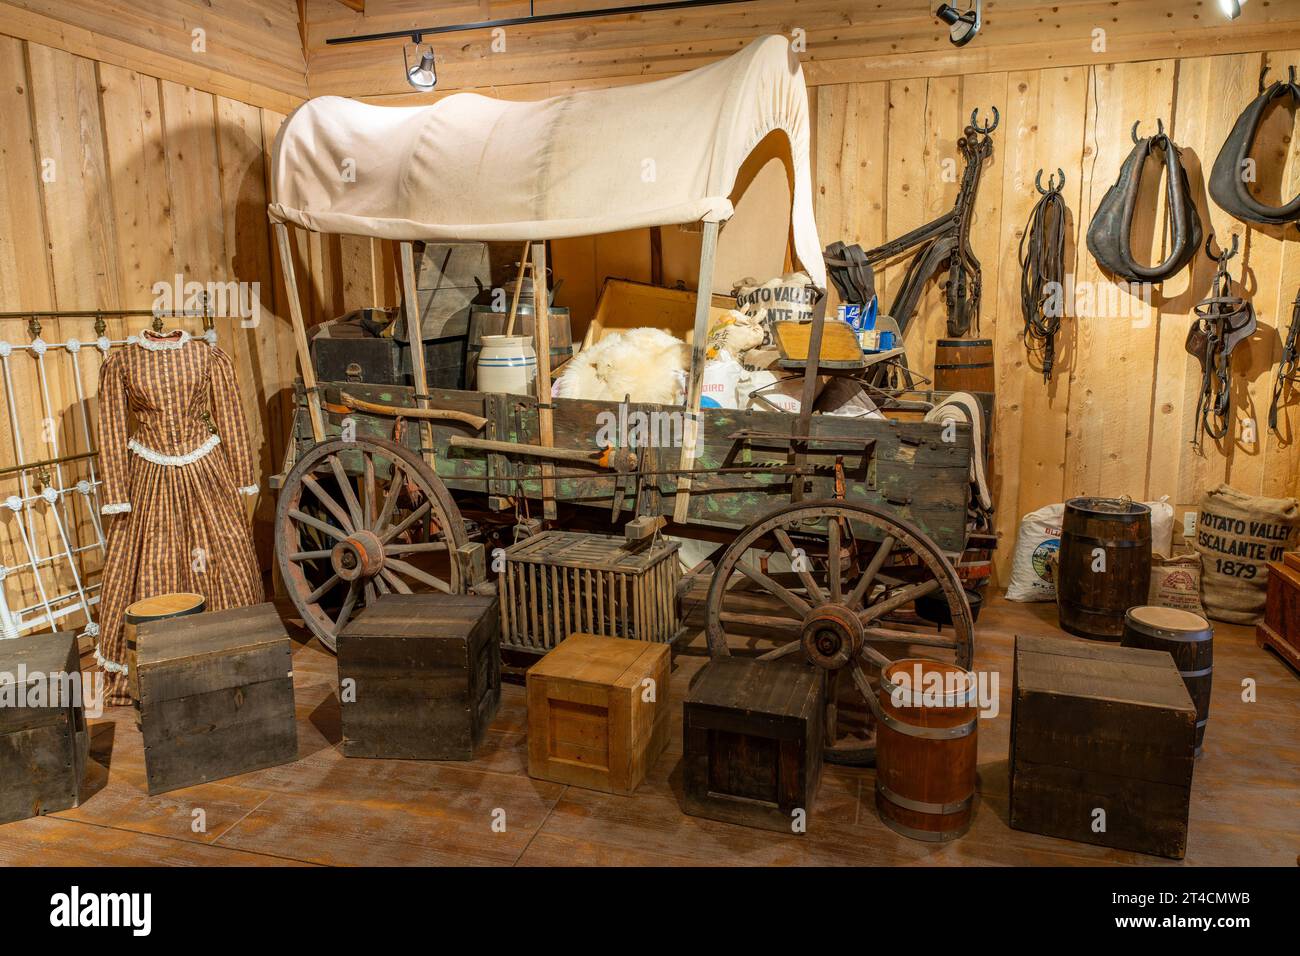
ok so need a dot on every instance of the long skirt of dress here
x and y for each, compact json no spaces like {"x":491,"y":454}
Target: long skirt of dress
{"x":186,"y":531}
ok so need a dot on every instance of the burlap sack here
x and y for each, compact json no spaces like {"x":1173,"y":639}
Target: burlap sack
{"x":1237,"y":535}
{"x":788,"y":298}
{"x":1176,"y":582}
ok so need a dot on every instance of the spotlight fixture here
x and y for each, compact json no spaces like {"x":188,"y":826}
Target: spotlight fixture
{"x":962,"y":27}
{"x":1231,"y":8}
{"x":422,"y":76}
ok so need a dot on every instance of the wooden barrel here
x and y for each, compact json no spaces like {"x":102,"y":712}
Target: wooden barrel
{"x":925,"y":750}
{"x":154,"y":609}
{"x":484,"y":321}
{"x":1189,"y":639}
{"x":1104,"y":565}
{"x":963,"y":365}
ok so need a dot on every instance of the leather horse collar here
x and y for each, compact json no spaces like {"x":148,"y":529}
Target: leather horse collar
{"x":1223,"y":321}
{"x":1110,"y":232}
{"x":1228,"y":179}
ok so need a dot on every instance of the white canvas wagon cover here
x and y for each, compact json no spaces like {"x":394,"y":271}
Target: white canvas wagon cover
{"x":471,"y":167}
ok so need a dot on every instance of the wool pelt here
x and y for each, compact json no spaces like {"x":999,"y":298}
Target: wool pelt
{"x":645,"y":365}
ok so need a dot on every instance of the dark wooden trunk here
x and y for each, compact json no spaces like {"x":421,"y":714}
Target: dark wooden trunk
{"x":43,"y":739}
{"x":1105,"y":565}
{"x":420,"y":676}
{"x":753,"y":743}
{"x":216,"y":696}
{"x":1186,"y":637}
{"x":1280,"y":629}
{"x":1101,"y":736}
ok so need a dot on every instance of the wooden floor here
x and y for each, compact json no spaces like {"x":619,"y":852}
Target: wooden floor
{"x":324,"y":809}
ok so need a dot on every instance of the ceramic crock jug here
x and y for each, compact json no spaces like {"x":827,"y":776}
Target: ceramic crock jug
{"x":507,"y":364}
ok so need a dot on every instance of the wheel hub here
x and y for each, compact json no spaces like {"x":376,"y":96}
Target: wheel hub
{"x":360,"y":556}
{"x":832,"y":635}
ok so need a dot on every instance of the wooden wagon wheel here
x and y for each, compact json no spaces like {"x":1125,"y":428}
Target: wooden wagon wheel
{"x":345,"y":535}
{"x":842,"y":602}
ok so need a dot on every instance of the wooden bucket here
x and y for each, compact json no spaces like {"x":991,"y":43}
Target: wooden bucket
{"x":1189,"y":639}
{"x":963,"y":365}
{"x":484,"y":321}
{"x":1113,"y":535}
{"x":925,"y":750}
{"x":154,"y":609}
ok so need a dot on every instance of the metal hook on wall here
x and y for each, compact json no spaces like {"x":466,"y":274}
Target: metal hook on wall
{"x":1160,"y":130}
{"x":986,"y":129}
{"x":1052,"y":185}
{"x":1224,"y":254}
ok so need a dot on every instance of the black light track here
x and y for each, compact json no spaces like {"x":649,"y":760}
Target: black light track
{"x":418,"y":35}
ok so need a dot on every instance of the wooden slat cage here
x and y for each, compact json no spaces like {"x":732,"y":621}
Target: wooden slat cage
{"x":564,"y":582}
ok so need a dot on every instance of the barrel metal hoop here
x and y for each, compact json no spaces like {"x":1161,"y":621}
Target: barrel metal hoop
{"x":926,"y":733}
{"x":1120,"y":543}
{"x":1203,"y":672}
{"x":920,"y":806}
{"x":959,"y":699}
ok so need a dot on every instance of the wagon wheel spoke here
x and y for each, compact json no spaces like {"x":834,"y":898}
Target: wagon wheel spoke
{"x":390,"y":498}
{"x":349,"y":496}
{"x":368,"y":491}
{"x":424,"y":577}
{"x":793,"y":601}
{"x":398,"y":585}
{"x":405,"y":523}
{"x":319,"y":593}
{"x":833,"y":571}
{"x":897,"y":599}
{"x":332,"y":506}
{"x":869,"y":575}
{"x":832,"y":706}
{"x":413,"y":547}
{"x":785,"y":650}
{"x":799,"y":563}
{"x":873,"y":655}
{"x":309,"y":555}
{"x":349,"y":603}
{"x":884,"y":635}
{"x":319,"y":525}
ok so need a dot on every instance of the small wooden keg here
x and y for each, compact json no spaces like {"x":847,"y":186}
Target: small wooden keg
{"x":1189,"y":639}
{"x":1112,"y":536}
{"x":963,"y":365}
{"x":926,"y":749}
{"x":154,"y":609}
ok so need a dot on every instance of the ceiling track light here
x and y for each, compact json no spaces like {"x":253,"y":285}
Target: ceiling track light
{"x":962,"y":27}
{"x":423,"y":76}
{"x":1231,"y":8}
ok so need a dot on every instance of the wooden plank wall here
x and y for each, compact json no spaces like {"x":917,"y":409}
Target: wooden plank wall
{"x":147,"y":178}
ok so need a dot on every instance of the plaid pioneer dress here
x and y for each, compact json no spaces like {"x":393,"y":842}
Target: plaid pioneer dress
{"x":174,"y":483}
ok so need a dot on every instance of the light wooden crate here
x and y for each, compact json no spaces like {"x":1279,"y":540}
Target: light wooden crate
{"x":563,"y":582}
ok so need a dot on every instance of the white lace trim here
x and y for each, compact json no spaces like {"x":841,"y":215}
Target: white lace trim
{"x":144,"y":340}
{"x":189,"y":458}
{"x":249,"y":490}
{"x":113,"y":667}
{"x":116,"y":509}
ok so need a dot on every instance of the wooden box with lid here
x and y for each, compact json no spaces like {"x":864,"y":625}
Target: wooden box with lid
{"x":598,"y":712}
{"x":43,"y":739}
{"x":1102,"y":745}
{"x":216,"y":695}
{"x":753,"y":743}
{"x":420,"y":676}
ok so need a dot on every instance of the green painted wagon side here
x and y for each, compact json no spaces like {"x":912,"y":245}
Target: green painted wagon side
{"x":916,"y":470}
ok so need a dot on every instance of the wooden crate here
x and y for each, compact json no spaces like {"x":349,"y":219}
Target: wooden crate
{"x":216,"y":696}
{"x":1280,"y":629}
{"x":564,"y":582}
{"x":598,"y":712}
{"x":753,"y":743}
{"x":43,"y":747}
{"x":1096,"y":727}
{"x":425,"y":673}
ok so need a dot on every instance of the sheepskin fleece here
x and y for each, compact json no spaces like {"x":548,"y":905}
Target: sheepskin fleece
{"x":647,"y":365}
